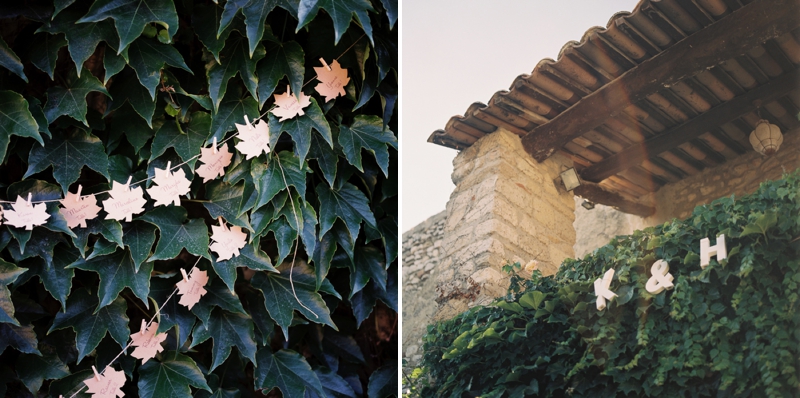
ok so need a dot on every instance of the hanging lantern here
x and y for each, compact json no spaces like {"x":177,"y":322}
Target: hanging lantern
{"x":766,"y":138}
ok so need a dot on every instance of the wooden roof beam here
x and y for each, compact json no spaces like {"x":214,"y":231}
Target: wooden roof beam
{"x":692,"y":128}
{"x":732,"y":35}
{"x":597,"y":194}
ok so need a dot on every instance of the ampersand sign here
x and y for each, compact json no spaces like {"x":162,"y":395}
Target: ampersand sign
{"x":661,"y":278}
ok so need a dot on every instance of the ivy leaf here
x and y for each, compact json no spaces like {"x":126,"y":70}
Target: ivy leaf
{"x":171,"y":377}
{"x":286,"y":370}
{"x":112,"y":64}
{"x":225,"y":200}
{"x":172,"y":313}
{"x":44,"y":51}
{"x":232,"y":111}
{"x":285,"y":236}
{"x":204,"y":15}
{"x":761,"y":224}
{"x":348,"y":204}
{"x":35,"y":108}
{"x":383,"y":382}
{"x":367,"y":132}
{"x":82,"y":39}
{"x":217,"y":295}
{"x":34,"y":369}
{"x":68,"y":154}
{"x":299,"y":128}
{"x":280,"y":301}
{"x":388,"y":228}
{"x":226,"y":330}
{"x":16,"y":119}
{"x":176,"y":233}
{"x":42,"y":245}
{"x":255,"y":14}
{"x":91,"y":327}
{"x":147,"y":57}
{"x":340,"y":11}
{"x":260,"y":316}
{"x":131,"y":16}
{"x":333,"y":384}
{"x":187,"y":144}
{"x":126,"y":88}
{"x":309,"y":232}
{"x":40,"y":191}
{"x":234,"y":59}
{"x":323,"y":255}
{"x":367,"y":265}
{"x":57,"y":279}
{"x":283,"y":59}
{"x":391,"y":11}
{"x":325,"y":156}
{"x":269,"y":177}
{"x":21,"y":338}
{"x":118,"y":271}
{"x":10,"y":60}
{"x":107,"y":228}
{"x":250,"y":257}
{"x":139,"y":237}
{"x":8,"y":274}
{"x":71,"y":100}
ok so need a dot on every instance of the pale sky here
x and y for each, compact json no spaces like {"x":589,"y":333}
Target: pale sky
{"x":456,"y":52}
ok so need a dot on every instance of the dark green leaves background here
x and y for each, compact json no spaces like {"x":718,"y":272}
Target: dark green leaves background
{"x":96,"y":91}
{"x":729,"y":330}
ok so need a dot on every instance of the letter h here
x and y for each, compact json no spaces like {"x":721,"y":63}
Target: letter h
{"x":706,"y":250}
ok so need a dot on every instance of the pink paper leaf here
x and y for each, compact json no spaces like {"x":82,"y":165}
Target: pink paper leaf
{"x":332,"y":81}
{"x":287,"y":106}
{"x":25,"y":214}
{"x":147,"y":342}
{"x":254,"y":139}
{"x":77,"y":210}
{"x":107,"y":385}
{"x":124,"y":201}
{"x":191,"y":287}
{"x":227,"y":242}
{"x":170,"y":186}
{"x":214,"y":162}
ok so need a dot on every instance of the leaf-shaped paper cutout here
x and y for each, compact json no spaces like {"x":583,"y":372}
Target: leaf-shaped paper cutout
{"x":231,"y":110}
{"x":253,"y":139}
{"x":367,"y":132}
{"x":26,"y":215}
{"x":227,"y":241}
{"x":215,"y":160}
{"x":8,"y":274}
{"x":287,"y":106}
{"x":68,"y":154}
{"x":348,"y":204}
{"x":77,"y":210}
{"x":226,"y":331}
{"x":340,"y":11}
{"x":283,"y":59}
{"x":124,"y":201}
{"x":170,"y":186}
{"x":190,"y":288}
{"x":118,"y":271}
{"x":300,"y":129}
{"x":280,"y":301}
{"x":106,"y":385}
{"x":286,"y":370}
{"x":147,"y":342}
{"x":177,"y":233}
{"x":147,"y":57}
{"x":82,"y":39}
{"x":71,"y":100}
{"x":171,"y":377}
{"x":131,"y":16}
{"x":331,"y":82}
{"x":16,"y":119}
{"x":91,"y":327}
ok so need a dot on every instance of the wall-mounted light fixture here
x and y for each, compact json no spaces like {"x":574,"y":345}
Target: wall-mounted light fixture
{"x":570,"y":179}
{"x":766,"y":138}
{"x":587,"y":204}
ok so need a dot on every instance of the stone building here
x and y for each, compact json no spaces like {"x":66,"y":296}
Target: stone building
{"x":654,"y":113}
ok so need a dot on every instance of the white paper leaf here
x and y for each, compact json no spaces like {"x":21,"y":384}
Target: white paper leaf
{"x":169,"y":186}
{"x":213,"y":163}
{"x":124,"y":201}
{"x":254,"y":140}
{"x":77,"y":210}
{"x":107,"y":385}
{"x":147,"y":342}
{"x":287,"y":106}
{"x":227,"y":242}
{"x":191,"y":287}
{"x":26,"y":215}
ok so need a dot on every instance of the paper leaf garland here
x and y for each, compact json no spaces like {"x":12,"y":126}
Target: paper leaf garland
{"x":107,"y":385}
{"x":214,"y":162}
{"x":332,"y":80}
{"x":124,"y":201}
{"x":254,"y":140}
{"x":170,"y":186}
{"x":78,"y":210}
{"x":227,"y":242}
{"x":191,"y":287}
{"x":147,"y":342}
{"x":25,"y":214}
{"x":287,"y":106}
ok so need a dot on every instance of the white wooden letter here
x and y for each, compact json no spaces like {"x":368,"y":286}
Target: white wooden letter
{"x":601,"y":289}
{"x":706,"y":250}
{"x":661,"y":278}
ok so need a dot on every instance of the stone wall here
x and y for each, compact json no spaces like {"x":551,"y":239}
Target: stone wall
{"x":739,"y":176}
{"x":422,"y":252}
{"x":595,"y":228}
{"x":505,"y":208}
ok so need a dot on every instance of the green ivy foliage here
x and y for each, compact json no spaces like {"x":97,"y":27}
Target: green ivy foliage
{"x":96,"y":91}
{"x":729,"y":330}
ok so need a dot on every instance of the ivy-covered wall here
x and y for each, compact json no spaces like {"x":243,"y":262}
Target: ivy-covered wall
{"x":729,"y":329}
{"x":95,"y":92}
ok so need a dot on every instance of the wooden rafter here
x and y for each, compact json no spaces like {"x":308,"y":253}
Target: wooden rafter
{"x":727,"y":38}
{"x":692,"y":128}
{"x":597,"y":194}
